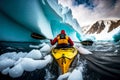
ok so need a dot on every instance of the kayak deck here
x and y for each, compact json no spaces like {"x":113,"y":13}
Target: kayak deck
{"x":64,"y":57}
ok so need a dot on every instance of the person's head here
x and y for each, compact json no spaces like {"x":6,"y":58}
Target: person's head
{"x":63,"y":32}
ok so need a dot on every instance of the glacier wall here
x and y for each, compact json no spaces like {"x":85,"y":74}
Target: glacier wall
{"x":116,"y":37}
{"x":18,"y":19}
{"x":27,"y":15}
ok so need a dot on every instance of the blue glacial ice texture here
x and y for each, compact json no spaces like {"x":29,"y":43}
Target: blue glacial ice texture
{"x":18,"y":19}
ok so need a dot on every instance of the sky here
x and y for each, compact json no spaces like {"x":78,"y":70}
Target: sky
{"x":88,"y":12}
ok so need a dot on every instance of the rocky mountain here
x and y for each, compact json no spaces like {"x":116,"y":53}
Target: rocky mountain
{"x":108,"y":28}
{"x":99,"y":26}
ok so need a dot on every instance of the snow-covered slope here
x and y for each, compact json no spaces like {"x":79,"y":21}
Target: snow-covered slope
{"x":103,"y":29}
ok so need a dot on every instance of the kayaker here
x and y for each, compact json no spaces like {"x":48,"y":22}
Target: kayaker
{"x":62,"y":40}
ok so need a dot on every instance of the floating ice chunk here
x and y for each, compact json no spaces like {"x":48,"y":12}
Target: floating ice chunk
{"x":43,"y":63}
{"x":10,"y":55}
{"x":6,"y":71}
{"x":48,"y":75}
{"x":34,"y":54}
{"x":46,"y":48}
{"x":44,"y":54}
{"x":83,"y":50}
{"x":18,"y":61}
{"x":20,"y":55}
{"x":28,"y":64}
{"x":43,"y":44}
{"x":37,"y":46}
{"x":3,"y":57}
{"x":76,"y":75}
{"x":116,"y":51}
{"x":10,"y":48}
{"x":23,"y":61}
{"x":34,"y":46}
{"x":48,"y":58}
{"x":16,"y":71}
{"x":6,"y":63}
{"x":64,"y":76}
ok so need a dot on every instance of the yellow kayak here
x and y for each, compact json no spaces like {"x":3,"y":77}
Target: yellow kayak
{"x":64,"y":57}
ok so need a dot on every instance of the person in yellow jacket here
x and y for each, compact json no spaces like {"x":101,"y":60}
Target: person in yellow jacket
{"x":62,"y":40}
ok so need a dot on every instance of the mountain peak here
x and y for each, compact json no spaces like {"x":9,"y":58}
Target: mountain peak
{"x":102,"y":29}
{"x":99,"y":26}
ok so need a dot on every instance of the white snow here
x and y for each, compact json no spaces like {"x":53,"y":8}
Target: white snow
{"x":105,"y":35}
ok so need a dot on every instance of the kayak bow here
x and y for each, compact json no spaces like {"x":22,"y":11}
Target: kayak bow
{"x":64,"y":57}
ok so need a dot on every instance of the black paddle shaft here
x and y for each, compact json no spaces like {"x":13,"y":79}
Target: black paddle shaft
{"x":37,"y":36}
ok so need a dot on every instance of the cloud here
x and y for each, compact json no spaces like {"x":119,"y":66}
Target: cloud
{"x":103,"y":9}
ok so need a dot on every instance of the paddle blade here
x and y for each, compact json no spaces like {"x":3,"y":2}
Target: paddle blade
{"x":37,"y":36}
{"x":87,"y":42}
